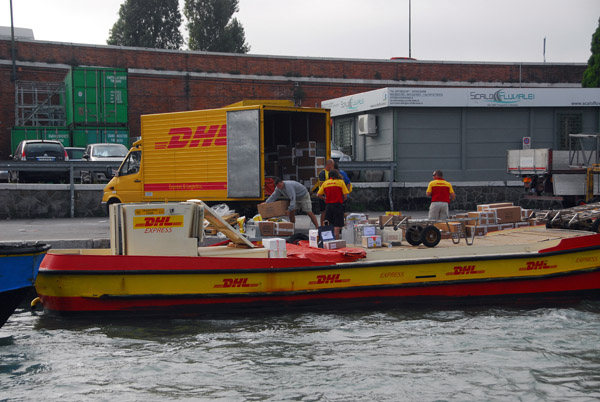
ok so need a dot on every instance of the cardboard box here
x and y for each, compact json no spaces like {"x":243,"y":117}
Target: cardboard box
{"x":284,"y":229}
{"x":487,"y":207}
{"x":453,"y":227}
{"x":493,"y":228}
{"x":479,"y":230}
{"x":276,"y":247}
{"x":313,"y":238}
{"x":334,"y":244}
{"x":526,"y":214}
{"x":271,"y":209}
{"x":508,"y":214}
{"x":266,"y":228}
{"x":371,"y":241}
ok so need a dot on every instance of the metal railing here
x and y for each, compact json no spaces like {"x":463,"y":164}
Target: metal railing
{"x":71,"y":167}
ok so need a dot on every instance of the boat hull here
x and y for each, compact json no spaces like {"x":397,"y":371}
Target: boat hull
{"x":19,"y":264}
{"x":194,"y":285}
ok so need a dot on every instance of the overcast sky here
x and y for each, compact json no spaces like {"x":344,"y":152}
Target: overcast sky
{"x":442,"y":30}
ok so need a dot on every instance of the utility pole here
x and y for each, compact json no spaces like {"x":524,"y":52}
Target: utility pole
{"x":13,"y":76}
{"x":409,"y":29}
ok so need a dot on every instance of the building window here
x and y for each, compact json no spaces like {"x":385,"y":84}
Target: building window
{"x":342,"y":136}
{"x":570,"y":123}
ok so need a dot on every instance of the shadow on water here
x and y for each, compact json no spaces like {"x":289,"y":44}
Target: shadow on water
{"x":162,"y":329}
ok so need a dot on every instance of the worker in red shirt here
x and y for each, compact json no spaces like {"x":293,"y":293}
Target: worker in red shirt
{"x":441,"y":194}
{"x":334,"y":192}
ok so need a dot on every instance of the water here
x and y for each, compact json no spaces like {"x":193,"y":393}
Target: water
{"x":471,"y":354}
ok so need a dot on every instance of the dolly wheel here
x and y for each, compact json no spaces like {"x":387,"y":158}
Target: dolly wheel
{"x":431,"y":236}
{"x":413,"y":235}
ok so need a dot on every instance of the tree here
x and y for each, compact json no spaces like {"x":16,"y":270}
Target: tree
{"x":211,"y":27}
{"x":591,"y":75}
{"x":148,"y":23}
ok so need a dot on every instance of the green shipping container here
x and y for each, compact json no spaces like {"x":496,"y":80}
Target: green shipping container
{"x":93,"y":135}
{"x":18,"y":134}
{"x":96,"y":96}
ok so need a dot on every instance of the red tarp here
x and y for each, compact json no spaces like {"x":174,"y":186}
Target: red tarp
{"x":302,"y":250}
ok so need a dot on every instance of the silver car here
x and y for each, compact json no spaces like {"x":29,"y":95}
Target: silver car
{"x":102,"y":153}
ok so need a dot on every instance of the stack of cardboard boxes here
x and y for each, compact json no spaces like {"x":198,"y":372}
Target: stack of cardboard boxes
{"x":299,"y":163}
{"x":492,"y":217}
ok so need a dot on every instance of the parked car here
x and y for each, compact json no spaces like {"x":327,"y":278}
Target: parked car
{"x":102,"y":153}
{"x":39,"y":151}
{"x":338,"y":156}
{"x":75,"y":154}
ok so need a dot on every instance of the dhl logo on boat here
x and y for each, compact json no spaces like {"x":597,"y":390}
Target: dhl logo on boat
{"x":325,"y":279}
{"x":465,"y":270}
{"x":203,"y":136}
{"x":533,"y":265}
{"x":158,"y":224}
{"x":236,"y":283}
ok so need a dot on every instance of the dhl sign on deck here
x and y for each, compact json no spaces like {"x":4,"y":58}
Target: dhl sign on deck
{"x":201,"y":136}
{"x":155,"y":224}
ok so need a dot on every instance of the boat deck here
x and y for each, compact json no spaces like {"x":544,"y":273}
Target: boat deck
{"x":522,"y":240}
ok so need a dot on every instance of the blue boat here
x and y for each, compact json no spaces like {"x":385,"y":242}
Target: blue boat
{"x":19,"y":264}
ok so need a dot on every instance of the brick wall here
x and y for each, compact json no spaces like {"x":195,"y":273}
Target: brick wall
{"x":199,"y":80}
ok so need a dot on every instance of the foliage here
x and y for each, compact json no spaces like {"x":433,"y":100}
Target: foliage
{"x":212,"y":28}
{"x":148,"y":23}
{"x":591,"y":76}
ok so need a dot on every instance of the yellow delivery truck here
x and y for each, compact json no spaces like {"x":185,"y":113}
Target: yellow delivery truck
{"x":222,"y":154}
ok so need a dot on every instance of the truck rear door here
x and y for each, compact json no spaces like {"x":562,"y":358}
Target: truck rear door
{"x":244,"y":172}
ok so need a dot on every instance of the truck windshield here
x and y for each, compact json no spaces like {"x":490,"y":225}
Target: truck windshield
{"x":109,"y":151}
{"x":131,"y":165}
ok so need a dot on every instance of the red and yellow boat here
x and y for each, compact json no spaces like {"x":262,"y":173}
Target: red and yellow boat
{"x":532,"y":264}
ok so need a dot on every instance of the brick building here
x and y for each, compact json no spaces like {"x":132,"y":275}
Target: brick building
{"x":165,"y":81}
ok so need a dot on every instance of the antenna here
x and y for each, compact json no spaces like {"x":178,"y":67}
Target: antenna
{"x":544,"y":49}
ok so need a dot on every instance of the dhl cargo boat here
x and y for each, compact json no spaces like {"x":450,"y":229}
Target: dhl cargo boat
{"x":149,"y":275}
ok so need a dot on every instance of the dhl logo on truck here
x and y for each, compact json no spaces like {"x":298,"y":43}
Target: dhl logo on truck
{"x":203,"y":136}
{"x":156,"y":224}
{"x":325,"y":279}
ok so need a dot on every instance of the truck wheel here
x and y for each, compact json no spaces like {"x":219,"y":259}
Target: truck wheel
{"x":413,"y":235}
{"x":431,"y":236}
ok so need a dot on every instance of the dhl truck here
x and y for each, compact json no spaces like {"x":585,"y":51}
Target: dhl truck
{"x":222,"y":154}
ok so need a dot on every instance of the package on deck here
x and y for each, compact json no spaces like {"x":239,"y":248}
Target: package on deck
{"x":526,"y":214}
{"x":493,"y":228}
{"x":478,"y":230}
{"x":482,"y":217}
{"x":389,"y":235}
{"x":450,"y":226}
{"x":357,"y":218}
{"x":348,"y":233}
{"x":508,"y":214}
{"x":252,"y":229}
{"x":389,"y":220}
{"x":313,"y":238}
{"x":276,"y":247}
{"x":334,"y":244}
{"x":271,"y":209}
{"x":266,"y":228}
{"x":487,"y":207}
{"x":371,"y":241}
{"x":284,"y":229}
{"x":363,"y":229}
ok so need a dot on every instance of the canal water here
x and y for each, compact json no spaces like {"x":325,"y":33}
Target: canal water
{"x":467,"y":354}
